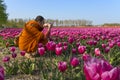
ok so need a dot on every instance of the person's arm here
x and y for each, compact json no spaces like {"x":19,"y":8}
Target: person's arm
{"x":47,"y":35}
{"x":18,"y":34}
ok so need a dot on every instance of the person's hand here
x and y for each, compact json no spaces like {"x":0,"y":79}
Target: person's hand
{"x":50,"y":25}
{"x":47,"y":25}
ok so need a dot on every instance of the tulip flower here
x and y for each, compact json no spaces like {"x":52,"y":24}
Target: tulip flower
{"x":74,"y":51}
{"x":103,"y":37}
{"x":81,"y":49}
{"x":85,"y":56}
{"x":107,"y":49}
{"x":70,"y":40}
{"x":65,"y":43}
{"x":62,"y":66}
{"x":40,"y":45}
{"x":59,"y":44}
{"x":113,"y":74}
{"x":99,"y":69}
{"x":41,"y":51}
{"x":6,"y":59}
{"x":14,"y":55}
{"x":51,"y":45}
{"x":22,"y":53}
{"x":111,"y":45}
{"x":90,"y":42}
{"x":12,"y":49}
{"x":74,"y":61}
{"x":118,"y":44}
{"x":97,"y":51}
{"x":65,"y":47}
{"x":1,"y":73}
{"x":103,"y":45}
{"x":58,"y":50}
{"x":77,"y":44}
{"x":94,"y":42}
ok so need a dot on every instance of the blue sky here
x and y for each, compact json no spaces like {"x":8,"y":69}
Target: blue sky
{"x":98,"y":11}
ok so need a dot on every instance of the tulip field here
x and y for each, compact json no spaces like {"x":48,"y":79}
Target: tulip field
{"x":75,"y":53}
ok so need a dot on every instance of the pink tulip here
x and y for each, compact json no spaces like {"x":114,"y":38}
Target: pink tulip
{"x":111,"y":45}
{"x":14,"y":55}
{"x":113,"y":74}
{"x":59,"y":44}
{"x":62,"y":66}
{"x":107,"y":49}
{"x":41,"y":51}
{"x":12,"y":49}
{"x":103,"y":37}
{"x":6,"y":59}
{"x":103,"y":45}
{"x":74,"y":61}
{"x":77,"y":44}
{"x":58,"y":50}
{"x":94,"y":42}
{"x":118,"y":44}
{"x":1,"y":73}
{"x":70,"y":40}
{"x":22,"y":53}
{"x":65,"y":47}
{"x":81,"y":49}
{"x":74,"y":51}
{"x":51,"y":45}
{"x":99,"y":69}
{"x":97,"y":51}
{"x":85,"y":56}
{"x":40,"y":45}
{"x":83,"y":37}
{"x":65,"y":43}
{"x":90,"y":42}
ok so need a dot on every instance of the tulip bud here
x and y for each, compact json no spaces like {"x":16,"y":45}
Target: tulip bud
{"x":14,"y":55}
{"x":103,"y":45}
{"x":6,"y":59}
{"x":118,"y":43}
{"x":65,"y":47}
{"x":74,"y":61}
{"x":1,"y":73}
{"x":40,"y":45}
{"x":74,"y":51}
{"x":41,"y":51}
{"x":62,"y":66}
{"x":85,"y":56}
{"x":22,"y":53}
{"x":12,"y":49}
{"x":97,"y":51}
{"x":107,"y":49}
{"x":58,"y":50}
{"x":81,"y":49}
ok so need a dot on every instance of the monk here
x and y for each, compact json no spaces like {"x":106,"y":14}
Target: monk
{"x":32,"y":35}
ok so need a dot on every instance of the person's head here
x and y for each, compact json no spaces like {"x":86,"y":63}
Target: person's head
{"x":41,"y":21}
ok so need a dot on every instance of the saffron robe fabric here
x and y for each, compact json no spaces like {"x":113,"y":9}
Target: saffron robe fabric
{"x":31,"y":36}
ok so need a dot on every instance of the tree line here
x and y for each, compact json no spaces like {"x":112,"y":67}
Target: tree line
{"x":57,"y":23}
{"x":111,"y":24}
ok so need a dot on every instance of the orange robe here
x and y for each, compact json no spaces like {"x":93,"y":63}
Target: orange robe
{"x":31,"y":36}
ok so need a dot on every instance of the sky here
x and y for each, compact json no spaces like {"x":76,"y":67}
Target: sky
{"x":97,"y":11}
